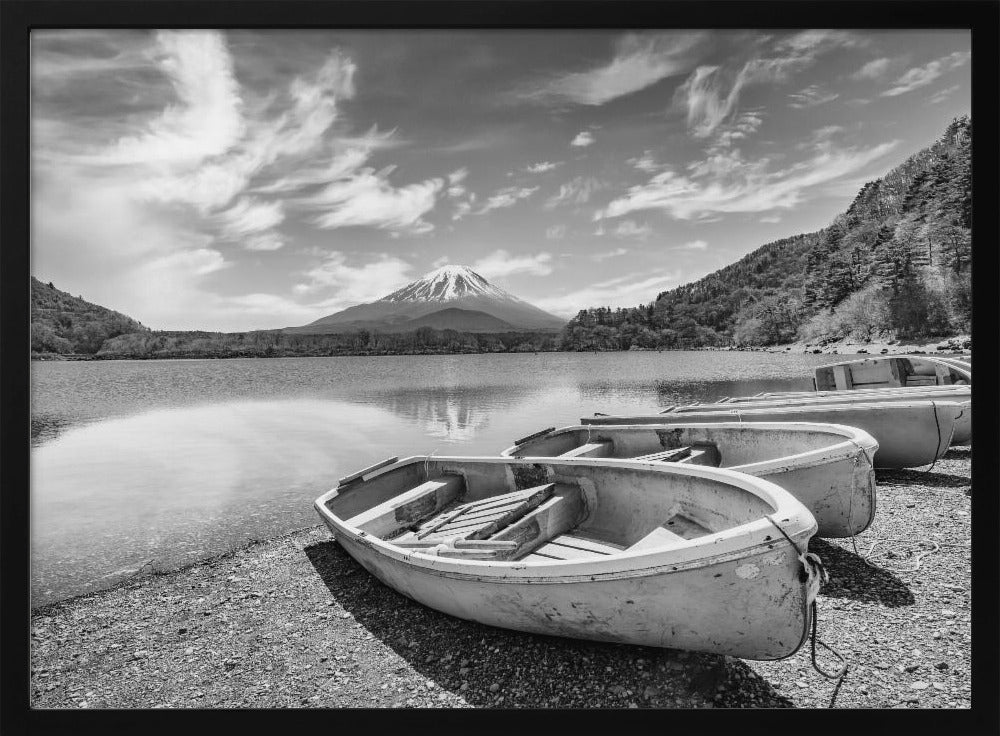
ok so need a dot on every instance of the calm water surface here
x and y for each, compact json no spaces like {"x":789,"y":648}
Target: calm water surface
{"x":165,"y":462}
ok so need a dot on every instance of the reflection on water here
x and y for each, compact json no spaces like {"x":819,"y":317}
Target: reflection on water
{"x":170,"y":461}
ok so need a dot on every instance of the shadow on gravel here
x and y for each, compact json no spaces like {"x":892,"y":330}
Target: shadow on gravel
{"x":852,"y":577}
{"x":502,"y":668}
{"x":957,"y":453}
{"x":930,"y":479}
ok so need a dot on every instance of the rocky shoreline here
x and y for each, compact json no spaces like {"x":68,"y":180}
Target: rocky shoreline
{"x":295,"y":622}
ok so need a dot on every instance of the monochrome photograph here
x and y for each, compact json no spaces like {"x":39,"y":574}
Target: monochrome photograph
{"x":501,"y":368}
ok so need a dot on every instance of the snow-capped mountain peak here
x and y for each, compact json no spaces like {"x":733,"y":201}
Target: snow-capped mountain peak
{"x":446,"y":284}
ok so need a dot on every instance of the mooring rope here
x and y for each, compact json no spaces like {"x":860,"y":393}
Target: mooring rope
{"x":812,"y":565}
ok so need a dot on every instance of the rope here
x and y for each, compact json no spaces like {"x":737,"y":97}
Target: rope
{"x":937,"y":424}
{"x":839,"y":674}
{"x":812,"y":564}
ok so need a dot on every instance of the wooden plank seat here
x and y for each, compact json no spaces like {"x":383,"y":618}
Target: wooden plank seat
{"x":693,"y":455}
{"x":500,"y":527}
{"x":406,"y":509}
{"x":601,"y":448}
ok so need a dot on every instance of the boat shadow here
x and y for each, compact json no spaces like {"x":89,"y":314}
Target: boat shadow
{"x":852,"y":577}
{"x":929,"y":478}
{"x":529,"y":670}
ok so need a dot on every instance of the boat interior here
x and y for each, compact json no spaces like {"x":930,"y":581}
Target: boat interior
{"x":887,"y":372}
{"x":717,"y":446}
{"x":539,"y":512}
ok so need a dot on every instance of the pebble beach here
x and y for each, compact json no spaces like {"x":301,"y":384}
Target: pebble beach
{"x":295,"y":622}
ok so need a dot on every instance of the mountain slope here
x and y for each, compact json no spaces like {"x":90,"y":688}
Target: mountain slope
{"x":896,"y":263}
{"x":449,"y":287}
{"x":65,"y":324}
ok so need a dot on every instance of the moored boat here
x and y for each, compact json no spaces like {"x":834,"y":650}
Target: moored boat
{"x":828,"y":467}
{"x":963,"y":427}
{"x":891,"y":371}
{"x":909,"y":434}
{"x":664,"y":555}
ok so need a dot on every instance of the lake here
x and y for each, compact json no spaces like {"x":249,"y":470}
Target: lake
{"x":166,"y":462}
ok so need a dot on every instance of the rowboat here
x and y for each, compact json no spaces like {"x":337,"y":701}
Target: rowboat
{"x":963,"y":427}
{"x":664,"y":555}
{"x":827,"y":467}
{"x":891,"y":370}
{"x":909,"y":434}
{"x":861,"y":393}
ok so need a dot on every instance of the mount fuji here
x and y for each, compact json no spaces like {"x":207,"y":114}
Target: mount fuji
{"x":451,"y":297}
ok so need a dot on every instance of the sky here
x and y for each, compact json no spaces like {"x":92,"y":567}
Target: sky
{"x":255,"y":179}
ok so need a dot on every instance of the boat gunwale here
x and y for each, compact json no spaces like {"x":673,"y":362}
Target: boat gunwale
{"x":957,"y":406}
{"x":856,"y":440}
{"x":789,"y":514}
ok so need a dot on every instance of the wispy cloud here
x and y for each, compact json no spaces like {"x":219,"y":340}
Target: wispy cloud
{"x":542,"y":166}
{"x":693,"y":245}
{"x":623,"y":291}
{"x":577,"y":190}
{"x":583,"y":139}
{"x":740,"y":186}
{"x":639,"y":61}
{"x":506,"y":197}
{"x":368,"y":199}
{"x":556,"y":232}
{"x":630,"y":229}
{"x":614,"y":253}
{"x":348,"y":283}
{"x":712,"y":93}
{"x":771,"y":219}
{"x":500,"y":263}
{"x":921,"y":76}
{"x":943,"y":94}
{"x":811,"y":96}
{"x":873,"y":69}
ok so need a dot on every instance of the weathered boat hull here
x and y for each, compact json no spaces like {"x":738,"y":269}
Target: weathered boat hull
{"x":723,"y":606}
{"x":963,"y":427}
{"x":890,"y":370}
{"x":740,"y":592}
{"x":829,"y":468}
{"x":909,"y":434}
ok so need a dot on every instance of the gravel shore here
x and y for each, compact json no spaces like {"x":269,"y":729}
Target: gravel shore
{"x":295,"y":622}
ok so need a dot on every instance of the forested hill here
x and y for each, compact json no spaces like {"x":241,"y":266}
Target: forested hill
{"x":896,"y":263}
{"x":65,"y":324}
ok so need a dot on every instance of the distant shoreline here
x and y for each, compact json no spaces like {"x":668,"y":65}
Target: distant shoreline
{"x":957,"y":344}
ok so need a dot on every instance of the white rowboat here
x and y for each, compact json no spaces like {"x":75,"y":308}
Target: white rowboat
{"x":828,"y":467}
{"x":909,"y":434}
{"x":662,"y":555}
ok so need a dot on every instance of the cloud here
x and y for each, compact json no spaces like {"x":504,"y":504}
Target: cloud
{"x":811,"y":96}
{"x":576,"y":191}
{"x":556,"y":232}
{"x":583,"y":139}
{"x":629,"y":229}
{"x":250,"y":216}
{"x":733,"y":185}
{"x":458,"y":176}
{"x":639,"y":61}
{"x":623,"y":291}
{"x":646,"y":162}
{"x":206,"y":120}
{"x":500,"y":263}
{"x":770,"y":219}
{"x":506,"y":197}
{"x":693,"y":245}
{"x":350,"y":284}
{"x":609,"y":254}
{"x":542,"y":166}
{"x":712,"y":93}
{"x":368,"y":199}
{"x":921,"y":76}
{"x":872,"y":70}
{"x":943,"y":94}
